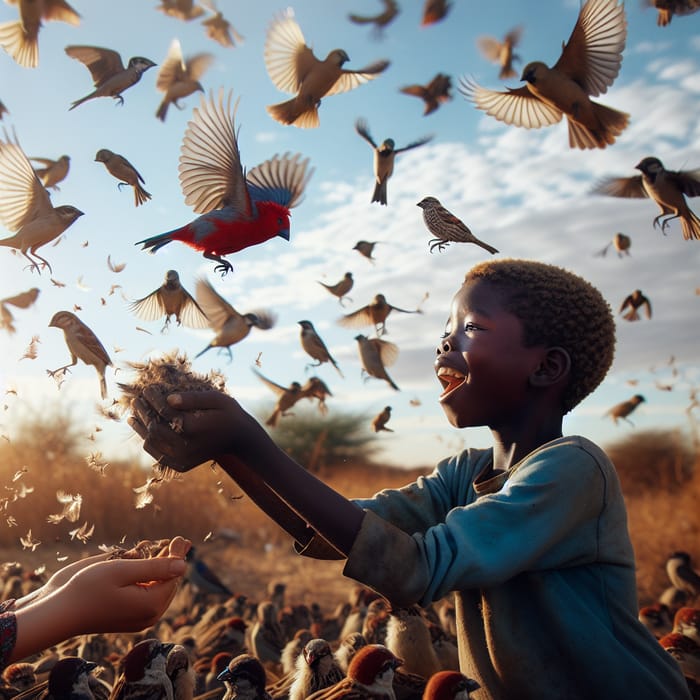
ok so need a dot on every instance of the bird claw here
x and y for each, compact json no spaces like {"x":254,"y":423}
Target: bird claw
{"x":224,"y":267}
{"x":119,"y":99}
{"x":440,"y":245}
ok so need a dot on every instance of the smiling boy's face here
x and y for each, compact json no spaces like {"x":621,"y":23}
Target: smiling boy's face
{"x":482,"y":364}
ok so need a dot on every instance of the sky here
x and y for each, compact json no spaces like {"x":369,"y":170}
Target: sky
{"x":523,"y":191}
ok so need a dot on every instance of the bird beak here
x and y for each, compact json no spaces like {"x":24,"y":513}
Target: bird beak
{"x":224,"y":675}
{"x":284,"y":233}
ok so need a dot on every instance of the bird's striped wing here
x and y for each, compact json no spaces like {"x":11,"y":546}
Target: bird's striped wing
{"x":102,"y":63}
{"x":22,"y":196}
{"x":172,"y":68}
{"x":211,"y":174}
{"x":630,"y":187}
{"x":490,"y":47}
{"x":518,"y":107}
{"x":287,"y":57}
{"x":350,"y":79}
{"x":273,"y":386}
{"x":414,"y":144}
{"x":217,"y":309}
{"x":192,"y":314}
{"x":593,"y":55}
{"x":356,"y":319}
{"x":280,"y":179}
{"x":198,"y":64}
{"x":60,"y":11}
{"x":148,"y":308}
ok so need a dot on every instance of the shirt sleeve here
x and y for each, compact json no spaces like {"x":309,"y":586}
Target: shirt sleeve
{"x":545,"y":516}
{"x":8,"y":631}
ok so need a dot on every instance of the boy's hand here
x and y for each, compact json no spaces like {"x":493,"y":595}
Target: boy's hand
{"x":195,"y":426}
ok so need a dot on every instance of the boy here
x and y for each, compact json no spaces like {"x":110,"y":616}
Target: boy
{"x":531,"y":534}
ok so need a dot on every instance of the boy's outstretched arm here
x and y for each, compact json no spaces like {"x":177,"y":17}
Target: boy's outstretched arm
{"x":213,"y":426}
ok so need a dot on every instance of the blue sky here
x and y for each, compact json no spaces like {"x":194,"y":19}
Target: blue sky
{"x":523,"y":191}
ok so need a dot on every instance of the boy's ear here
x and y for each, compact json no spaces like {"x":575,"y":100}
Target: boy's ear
{"x":554,"y":367}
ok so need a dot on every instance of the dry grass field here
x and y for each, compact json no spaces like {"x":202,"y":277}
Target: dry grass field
{"x":659,"y":473}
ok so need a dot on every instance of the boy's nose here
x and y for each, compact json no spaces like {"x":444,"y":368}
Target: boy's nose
{"x":444,"y":346}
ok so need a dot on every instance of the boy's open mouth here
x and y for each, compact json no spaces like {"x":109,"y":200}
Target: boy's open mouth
{"x":450,"y":379}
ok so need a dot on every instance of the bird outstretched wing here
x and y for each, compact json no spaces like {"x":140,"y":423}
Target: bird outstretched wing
{"x":102,"y":63}
{"x":280,"y":179}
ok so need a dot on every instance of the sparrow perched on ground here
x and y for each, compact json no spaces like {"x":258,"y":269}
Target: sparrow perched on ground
{"x":171,"y":299}
{"x":229,"y":325}
{"x":624,"y":408}
{"x":365,"y":249}
{"x":408,"y":637}
{"x":218,"y":28}
{"x":686,"y":652}
{"x":687,"y":621}
{"x":143,"y":672}
{"x":53,"y":172}
{"x":69,"y":679}
{"x":341,"y":288}
{"x":178,"y":78}
{"x":375,"y":355}
{"x":370,"y":675}
{"x":25,"y":206}
{"x":435,"y":93}
{"x":434,"y":11}
{"x":200,"y":575}
{"x":446,"y":227}
{"x":666,"y":187}
{"x":316,"y":669}
{"x":667,"y":8}
{"x":180,"y":671}
{"x":237,"y":210}
{"x":287,"y":397}
{"x":245,"y":679}
{"x":634,"y":302}
{"x":293,"y":648}
{"x":681,"y":573}
{"x":620,"y":242}
{"x":185,"y":10}
{"x":23,"y":300}
{"x":266,"y":637}
{"x":588,"y":65}
{"x":110,"y":76}
{"x":656,"y":618}
{"x":293,"y":68}
{"x":125,"y":172}
{"x":349,"y":645}
{"x":315,"y":347}
{"x":384,"y":156}
{"x":381,"y":419}
{"x":449,"y":685}
{"x":21,"y":38}
{"x":380,"y":20}
{"x":373,"y":314}
{"x":501,"y":52}
{"x":83,"y":345}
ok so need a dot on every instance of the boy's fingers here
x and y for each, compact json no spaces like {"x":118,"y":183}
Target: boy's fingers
{"x":144,"y":570}
{"x":158,"y":401}
{"x":137,"y":426}
{"x":196,"y":400}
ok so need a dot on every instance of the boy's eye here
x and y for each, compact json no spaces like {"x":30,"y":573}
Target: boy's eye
{"x":469,"y":327}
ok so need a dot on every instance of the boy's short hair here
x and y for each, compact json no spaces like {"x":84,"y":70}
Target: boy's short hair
{"x":557,"y":308}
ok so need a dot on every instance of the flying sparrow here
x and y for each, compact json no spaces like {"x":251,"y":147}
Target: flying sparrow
{"x":666,"y":187}
{"x":229,"y":325}
{"x":23,"y":300}
{"x":178,"y":78}
{"x":53,"y":171}
{"x":341,"y":288}
{"x":624,"y":408}
{"x":381,"y":419}
{"x":315,"y":347}
{"x":588,"y":65}
{"x":21,"y":38}
{"x":667,"y":8}
{"x":373,"y":314}
{"x":25,"y":206}
{"x":380,"y":20}
{"x":293,"y":68}
{"x":446,"y":227}
{"x":286,"y":398}
{"x":620,"y":242}
{"x":634,"y":302}
{"x":171,"y":299}
{"x":365,"y":249}
{"x":83,"y":345}
{"x":110,"y":76}
{"x":384,"y":156}
{"x":434,"y":11}
{"x":375,"y":355}
{"x":218,"y":28}
{"x":125,"y":172}
{"x":184,"y":10}
{"x":316,"y":388}
{"x":501,"y":52}
{"x":237,"y":210}
{"x":435,"y":93}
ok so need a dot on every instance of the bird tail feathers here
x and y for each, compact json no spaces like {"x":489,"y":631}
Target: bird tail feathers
{"x":292,"y":112}
{"x":154,"y":243}
{"x":140,"y":195}
{"x":610,"y":124}
{"x":380,"y":192}
{"x":690,"y":225}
